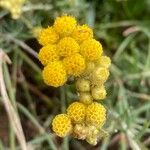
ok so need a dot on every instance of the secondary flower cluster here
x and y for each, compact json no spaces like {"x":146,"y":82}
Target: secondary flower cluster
{"x":81,"y":121}
{"x":67,"y":48}
{"x":70,"y":50}
{"x":84,"y":119}
{"x":14,"y":6}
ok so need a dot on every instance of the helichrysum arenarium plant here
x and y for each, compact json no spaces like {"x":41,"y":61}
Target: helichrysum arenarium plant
{"x":70,"y":50}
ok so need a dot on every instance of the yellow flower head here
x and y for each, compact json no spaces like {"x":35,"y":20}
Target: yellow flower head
{"x":95,"y":114}
{"x":82,"y":33}
{"x":61,"y":125}
{"x":76,"y":111}
{"x":54,"y":74}
{"x":48,"y":36}
{"x":98,"y":93}
{"x":83,"y":85}
{"x":85,"y":98}
{"x":48,"y":54}
{"x":67,"y":46}
{"x":100,"y":74}
{"x":74,"y":65}
{"x":104,"y":61}
{"x":91,"y":49}
{"x":65,"y":25}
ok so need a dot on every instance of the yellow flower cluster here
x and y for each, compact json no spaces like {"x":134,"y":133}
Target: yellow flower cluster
{"x":14,"y":6}
{"x":69,"y":50}
{"x":70,"y":44}
{"x":79,"y":121}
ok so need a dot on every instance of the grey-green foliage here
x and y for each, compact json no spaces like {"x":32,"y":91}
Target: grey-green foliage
{"x":123,"y":27}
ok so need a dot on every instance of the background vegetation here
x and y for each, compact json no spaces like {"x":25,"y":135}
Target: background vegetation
{"x":123,"y":27}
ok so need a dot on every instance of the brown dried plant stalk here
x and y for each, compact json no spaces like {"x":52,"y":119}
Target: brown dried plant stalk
{"x":12,"y":114}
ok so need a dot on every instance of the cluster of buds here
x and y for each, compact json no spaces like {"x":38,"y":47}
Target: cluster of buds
{"x":90,"y":85}
{"x":14,"y":6}
{"x":69,"y":50}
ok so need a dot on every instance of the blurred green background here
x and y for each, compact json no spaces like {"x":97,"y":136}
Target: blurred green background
{"x":123,"y":28}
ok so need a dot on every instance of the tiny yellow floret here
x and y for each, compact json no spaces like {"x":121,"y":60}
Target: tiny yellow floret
{"x":61,"y":125}
{"x":65,"y":25}
{"x":82,"y":33}
{"x":67,"y":46}
{"x":98,"y":93}
{"x":48,"y":36}
{"x":95,"y":115}
{"x":104,"y":61}
{"x":91,"y":49}
{"x":76,"y":111}
{"x":54,"y":74}
{"x":48,"y":54}
{"x":74,"y":65}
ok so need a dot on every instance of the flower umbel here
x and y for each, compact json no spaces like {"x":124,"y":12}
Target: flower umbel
{"x":48,"y":54}
{"x":76,"y":111}
{"x":67,"y":46}
{"x":65,"y":25}
{"x":74,"y":65}
{"x":82,"y":33}
{"x":48,"y":36}
{"x":54,"y":74}
{"x":61,"y":125}
{"x":91,"y":49}
{"x":96,"y":114}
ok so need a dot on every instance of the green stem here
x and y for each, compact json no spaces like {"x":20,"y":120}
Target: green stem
{"x":65,"y":145}
{"x":1,"y":145}
{"x":39,"y":127}
{"x":12,"y":138}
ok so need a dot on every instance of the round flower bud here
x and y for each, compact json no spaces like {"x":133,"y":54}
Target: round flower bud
{"x":95,"y":114}
{"x":48,"y":54}
{"x":65,"y":25}
{"x":74,"y":65}
{"x":48,"y":36}
{"x":80,"y":131}
{"x":88,"y":69}
{"x":83,"y":85}
{"x":100,"y":74}
{"x":85,"y":98}
{"x":67,"y":46}
{"x":81,"y":33}
{"x":104,"y":61}
{"x":61,"y":125}
{"x":54,"y":74}
{"x":76,"y":111}
{"x":91,"y":49}
{"x":98,"y":93}
{"x":93,"y":135}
